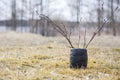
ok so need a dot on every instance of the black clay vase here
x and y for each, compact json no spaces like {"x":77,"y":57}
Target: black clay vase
{"x":78,"y":58}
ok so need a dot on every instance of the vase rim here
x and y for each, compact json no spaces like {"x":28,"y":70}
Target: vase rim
{"x":79,"y":48}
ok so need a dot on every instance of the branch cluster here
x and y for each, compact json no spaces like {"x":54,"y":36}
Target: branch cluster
{"x":67,"y":35}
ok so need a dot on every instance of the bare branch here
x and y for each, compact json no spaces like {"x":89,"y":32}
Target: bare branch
{"x":84,"y":38}
{"x":79,"y":33}
{"x":59,"y":31}
{"x":64,"y":33}
{"x":70,"y":33}
{"x":47,"y":18}
{"x":65,"y":28}
{"x":99,"y":29}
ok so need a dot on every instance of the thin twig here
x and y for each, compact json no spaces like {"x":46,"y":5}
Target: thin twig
{"x":58,"y":28}
{"x":68,"y":39}
{"x":47,"y":18}
{"x":70,"y":33}
{"x":99,"y":29}
{"x":64,"y":28}
{"x":59,"y":31}
{"x":79,"y":33}
{"x":84,"y":38}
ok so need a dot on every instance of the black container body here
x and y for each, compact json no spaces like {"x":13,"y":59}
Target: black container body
{"x":78,"y":58}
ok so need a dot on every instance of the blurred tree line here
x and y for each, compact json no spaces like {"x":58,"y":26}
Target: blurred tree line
{"x":23,"y":13}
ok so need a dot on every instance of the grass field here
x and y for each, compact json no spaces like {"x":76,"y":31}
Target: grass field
{"x":25,"y":56}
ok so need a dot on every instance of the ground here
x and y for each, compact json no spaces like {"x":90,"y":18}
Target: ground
{"x":25,"y":56}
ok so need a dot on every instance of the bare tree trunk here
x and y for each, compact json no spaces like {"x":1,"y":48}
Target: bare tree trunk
{"x":31,"y":20}
{"x":45,"y":21}
{"x":78,"y":11}
{"x":112,"y":19}
{"x":100,"y":15}
{"x":108,"y":15}
{"x":42,"y":19}
{"x":99,"y":24}
{"x":29,"y":7}
{"x":22,"y":13}
{"x":75,"y":6}
{"x":14,"y":21}
{"x":32,"y":23}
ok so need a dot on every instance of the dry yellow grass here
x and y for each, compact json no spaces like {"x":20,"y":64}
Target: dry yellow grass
{"x":48,"y":59}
